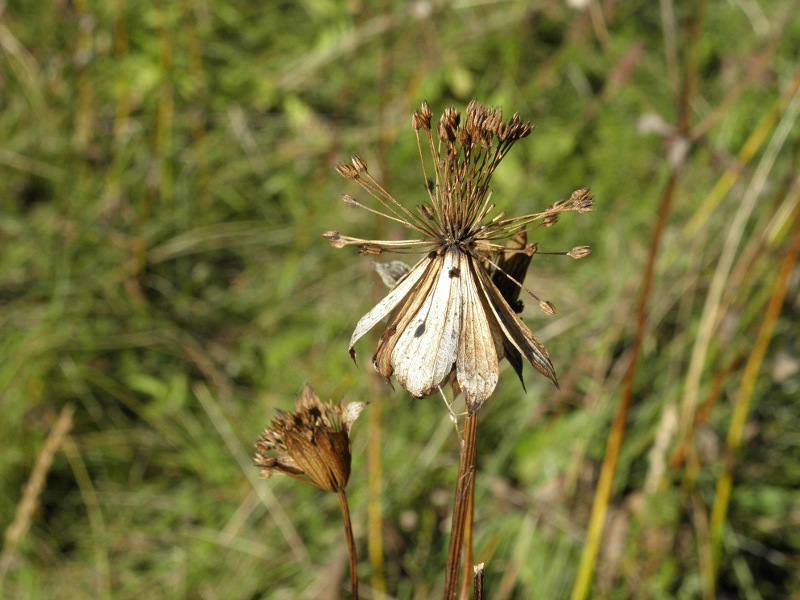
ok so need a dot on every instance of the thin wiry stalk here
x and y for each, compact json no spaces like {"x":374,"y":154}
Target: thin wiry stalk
{"x":351,"y":543}
{"x":461,"y":503}
{"x":602,"y":496}
{"x":600,"y":504}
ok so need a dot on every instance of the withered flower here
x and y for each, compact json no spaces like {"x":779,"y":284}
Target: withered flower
{"x":310,"y":443}
{"x":453,"y":309}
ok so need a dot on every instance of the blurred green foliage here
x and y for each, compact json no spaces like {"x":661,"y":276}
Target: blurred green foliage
{"x":165,"y":173}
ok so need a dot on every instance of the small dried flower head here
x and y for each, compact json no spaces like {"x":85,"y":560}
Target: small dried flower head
{"x":579,"y":252}
{"x":455,"y":310}
{"x":310,"y":443}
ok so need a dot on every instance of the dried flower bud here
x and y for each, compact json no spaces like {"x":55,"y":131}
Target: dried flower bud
{"x":347,"y":171}
{"x":579,"y":252}
{"x":359,"y":163}
{"x":334,"y":238}
{"x":550,"y":220}
{"x":422,"y":118}
{"x":348,"y":199}
{"x":369,"y":249}
{"x":547,"y":307}
{"x":310,"y":443}
{"x":581,"y":201}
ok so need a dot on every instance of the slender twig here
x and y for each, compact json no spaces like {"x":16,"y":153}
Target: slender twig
{"x":466,"y":471}
{"x":351,"y":543}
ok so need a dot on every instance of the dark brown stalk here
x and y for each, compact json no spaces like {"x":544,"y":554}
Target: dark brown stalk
{"x":461,"y":503}
{"x":351,"y":543}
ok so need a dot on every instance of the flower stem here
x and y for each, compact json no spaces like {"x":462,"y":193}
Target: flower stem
{"x":461,"y":503}
{"x":351,"y":543}
{"x":468,"y":557}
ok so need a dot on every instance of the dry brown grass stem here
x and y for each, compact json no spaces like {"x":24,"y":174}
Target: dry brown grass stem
{"x":27,"y":504}
{"x":743,"y":397}
{"x":685,"y":94}
{"x":461,"y":503}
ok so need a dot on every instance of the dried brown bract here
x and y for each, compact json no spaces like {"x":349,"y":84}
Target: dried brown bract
{"x":454,"y":309}
{"x":310,"y":443}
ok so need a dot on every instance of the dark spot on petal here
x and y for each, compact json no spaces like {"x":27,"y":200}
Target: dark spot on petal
{"x":454,"y":272}
{"x":420,"y":330}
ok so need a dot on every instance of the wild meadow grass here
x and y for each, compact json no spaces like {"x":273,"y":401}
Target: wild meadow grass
{"x":165,"y":174}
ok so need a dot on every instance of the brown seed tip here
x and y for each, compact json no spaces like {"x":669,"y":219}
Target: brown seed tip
{"x":334,"y":238}
{"x":579,"y":252}
{"x":347,"y":171}
{"x":359,"y":163}
{"x":547,"y":307}
{"x":348,"y":199}
{"x":422,"y":117}
{"x":369,"y":249}
{"x":581,"y":201}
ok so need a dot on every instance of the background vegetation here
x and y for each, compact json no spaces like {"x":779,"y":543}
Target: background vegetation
{"x":165,"y":172}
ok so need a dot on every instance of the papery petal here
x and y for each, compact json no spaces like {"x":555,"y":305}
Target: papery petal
{"x":428,"y":346}
{"x":402,"y":316}
{"x":392,"y":299}
{"x":516,"y":331}
{"x":477,"y":365}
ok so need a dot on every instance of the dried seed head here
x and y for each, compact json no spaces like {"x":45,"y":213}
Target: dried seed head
{"x":369,"y":249}
{"x":335,"y":239}
{"x":581,"y":201}
{"x":310,"y":443}
{"x":579,"y":252}
{"x":547,"y":307}
{"x":421,"y":118}
{"x":453,"y":315}
{"x":359,"y":163}
{"x":347,"y":171}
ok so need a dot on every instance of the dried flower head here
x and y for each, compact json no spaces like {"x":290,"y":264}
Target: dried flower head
{"x":310,"y":443}
{"x":456,"y":308}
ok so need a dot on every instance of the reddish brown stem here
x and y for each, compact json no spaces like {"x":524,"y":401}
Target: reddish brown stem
{"x":461,"y":503}
{"x":468,"y":555}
